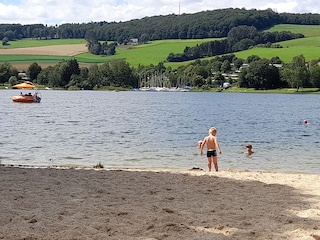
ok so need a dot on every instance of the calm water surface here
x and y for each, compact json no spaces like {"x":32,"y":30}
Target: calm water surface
{"x":161,"y":130}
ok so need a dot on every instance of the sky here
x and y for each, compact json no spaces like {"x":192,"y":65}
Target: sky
{"x":55,"y":12}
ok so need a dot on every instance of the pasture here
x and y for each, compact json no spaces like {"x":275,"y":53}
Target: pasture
{"x":52,"y":51}
{"x":308,"y":46}
{"x":49,"y":52}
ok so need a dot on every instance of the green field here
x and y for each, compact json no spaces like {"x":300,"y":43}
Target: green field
{"x":145,"y":54}
{"x":309,"y":46}
{"x":157,"y":51}
{"x":306,"y":30}
{"x":25,"y":58}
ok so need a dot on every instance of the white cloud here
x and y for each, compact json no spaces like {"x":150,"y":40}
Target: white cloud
{"x":283,"y":7}
{"x":71,"y":11}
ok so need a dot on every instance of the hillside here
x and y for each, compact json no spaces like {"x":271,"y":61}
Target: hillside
{"x":158,"y":36}
{"x":156,"y":51}
{"x":307,"y":46}
{"x":147,"y":59}
{"x":207,"y":24}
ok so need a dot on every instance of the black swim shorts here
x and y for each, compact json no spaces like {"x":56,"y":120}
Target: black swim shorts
{"x":211,"y":153}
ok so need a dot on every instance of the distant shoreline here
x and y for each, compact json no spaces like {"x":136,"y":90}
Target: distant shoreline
{"x":230,"y":90}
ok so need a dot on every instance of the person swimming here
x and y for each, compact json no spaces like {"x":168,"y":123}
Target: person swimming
{"x":199,"y":143}
{"x":249,"y":149}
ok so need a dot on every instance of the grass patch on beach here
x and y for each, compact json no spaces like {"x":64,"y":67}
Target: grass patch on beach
{"x":98,"y":166}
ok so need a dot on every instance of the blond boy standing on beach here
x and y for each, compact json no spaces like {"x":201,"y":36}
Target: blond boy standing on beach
{"x":212,"y":146}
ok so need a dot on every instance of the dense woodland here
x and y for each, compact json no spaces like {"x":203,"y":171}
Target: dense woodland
{"x":208,"y":24}
{"x":241,"y":29}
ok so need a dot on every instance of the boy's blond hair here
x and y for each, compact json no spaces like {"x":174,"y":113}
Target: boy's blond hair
{"x":212,"y":130}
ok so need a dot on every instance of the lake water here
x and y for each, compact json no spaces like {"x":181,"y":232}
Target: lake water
{"x":161,"y":129}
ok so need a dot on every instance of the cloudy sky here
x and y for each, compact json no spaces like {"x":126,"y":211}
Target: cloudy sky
{"x":53,"y":12}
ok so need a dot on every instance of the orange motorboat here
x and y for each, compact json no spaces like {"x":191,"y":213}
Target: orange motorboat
{"x":27,"y":98}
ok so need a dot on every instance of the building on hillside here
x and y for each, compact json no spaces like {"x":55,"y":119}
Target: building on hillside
{"x":133,"y":41}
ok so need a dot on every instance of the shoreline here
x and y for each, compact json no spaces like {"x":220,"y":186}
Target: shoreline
{"x":151,"y":169}
{"x":213,"y":90}
{"x":69,"y":203}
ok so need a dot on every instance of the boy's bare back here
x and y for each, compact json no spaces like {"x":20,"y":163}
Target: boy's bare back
{"x":211,"y":142}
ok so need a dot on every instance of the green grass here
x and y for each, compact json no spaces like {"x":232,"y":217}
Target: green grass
{"x":144,"y":54}
{"x":157,"y":51}
{"x":99,"y":165}
{"x":282,"y":90}
{"x":306,"y":30}
{"x":21,"y":58}
{"x":309,"y":46}
{"x":149,"y":53}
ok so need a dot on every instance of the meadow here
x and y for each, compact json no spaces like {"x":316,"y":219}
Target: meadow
{"x":307,"y":46}
{"x":144,"y":54}
{"x":155,"y":51}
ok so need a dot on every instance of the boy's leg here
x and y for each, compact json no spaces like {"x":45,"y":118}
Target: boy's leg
{"x":215,"y":162}
{"x":209,"y":164}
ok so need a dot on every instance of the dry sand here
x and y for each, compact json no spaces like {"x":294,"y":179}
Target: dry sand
{"x":60,"y":204}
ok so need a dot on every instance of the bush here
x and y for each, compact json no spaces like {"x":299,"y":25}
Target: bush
{"x":99,"y":165}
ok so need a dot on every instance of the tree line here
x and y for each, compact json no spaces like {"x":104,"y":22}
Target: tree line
{"x":206,"y":24}
{"x":252,"y":72}
{"x":239,"y":38}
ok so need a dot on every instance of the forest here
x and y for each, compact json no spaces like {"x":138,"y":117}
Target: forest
{"x":207,"y":24}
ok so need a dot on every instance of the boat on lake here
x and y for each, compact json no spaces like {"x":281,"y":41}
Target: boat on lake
{"x":27,"y":97}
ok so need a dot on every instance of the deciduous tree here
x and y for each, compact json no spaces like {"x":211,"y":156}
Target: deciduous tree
{"x":296,"y":72}
{"x":33,"y":70}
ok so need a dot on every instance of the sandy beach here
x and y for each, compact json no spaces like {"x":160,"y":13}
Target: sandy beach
{"x":50,"y":203}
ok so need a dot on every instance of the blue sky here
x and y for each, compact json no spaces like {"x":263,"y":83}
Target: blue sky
{"x":54,"y":12}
